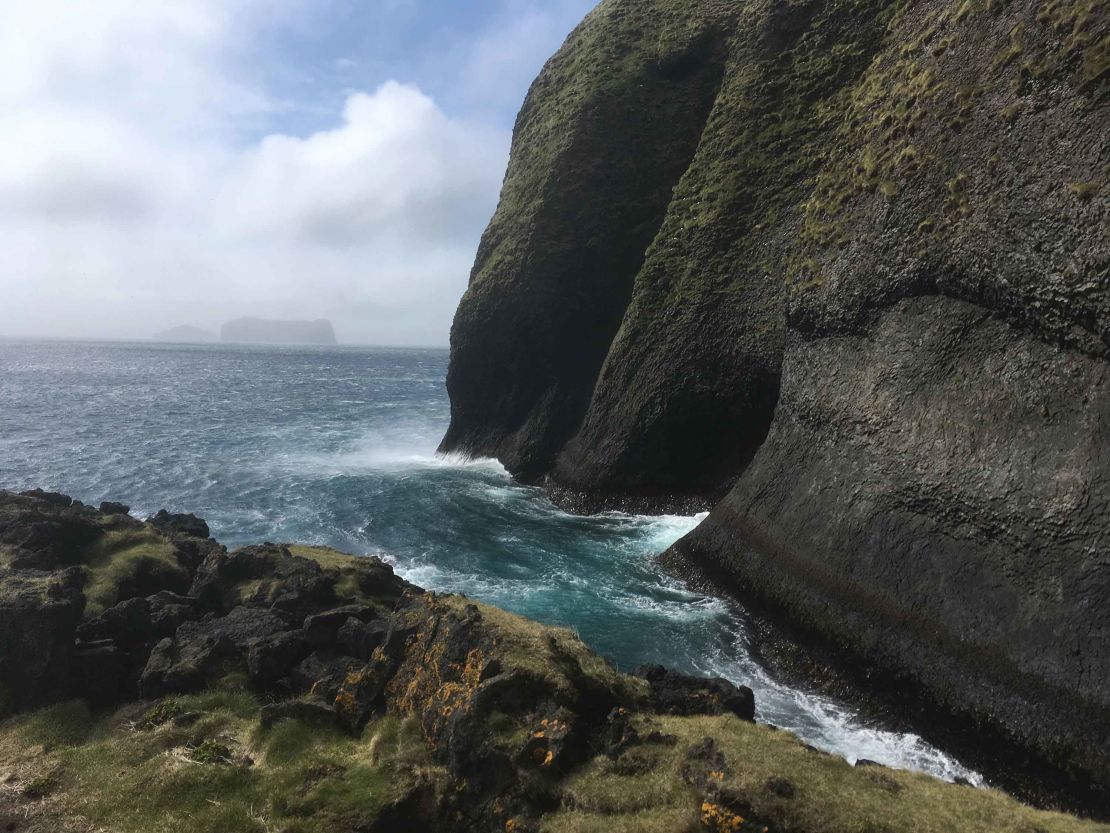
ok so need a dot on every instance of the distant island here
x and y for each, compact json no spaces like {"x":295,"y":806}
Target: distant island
{"x":186,"y":334}
{"x":263,"y":331}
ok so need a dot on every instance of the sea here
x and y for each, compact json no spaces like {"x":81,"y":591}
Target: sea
{"x":337,"y":446}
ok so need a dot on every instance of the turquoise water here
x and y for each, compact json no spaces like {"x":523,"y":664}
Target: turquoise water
{"x":336,"y":446}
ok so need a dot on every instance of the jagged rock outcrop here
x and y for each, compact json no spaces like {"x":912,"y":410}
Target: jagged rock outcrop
{"x":320,"y":692}
{"x":504,"y":707}
{"x":39,"y":614}
{"x":876,"y":307}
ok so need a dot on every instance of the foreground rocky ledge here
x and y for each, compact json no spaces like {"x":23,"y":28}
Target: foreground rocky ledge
{"x":284,"y":688}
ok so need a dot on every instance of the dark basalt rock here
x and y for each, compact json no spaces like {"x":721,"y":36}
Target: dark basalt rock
{"x":870,"y":325}
{"x":101,"y":673}
{"x":180,"y":524}
{"x":39,"y":614}
{"x":322,"y":673}
{"x":152,"y":576}
{"x":522,"y":367}
{"x":169,"y":610}
{"x":271,"y":658}
{"x":275,"y":577}
{"x":268,"y":575}
{"x":305,"y":710}
{"x":56,"y":499}
{"x":204,"y":651}
{"x":127,"y":624}
{"x":134,"y":627}
{"x":676,"y":693}
{"x":109,"y":507}
{"x":323,"y":628}
{"x":45,"y":531}
{"x":243,"y":615}
{"x":360,"y":639}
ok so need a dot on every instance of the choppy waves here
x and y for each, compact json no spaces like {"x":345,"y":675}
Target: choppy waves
{"x":337,"y":447}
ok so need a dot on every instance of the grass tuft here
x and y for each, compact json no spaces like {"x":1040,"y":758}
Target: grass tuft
{"x":129,"y":558}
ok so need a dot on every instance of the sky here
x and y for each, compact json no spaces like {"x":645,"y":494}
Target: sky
{"x":186,"y":162}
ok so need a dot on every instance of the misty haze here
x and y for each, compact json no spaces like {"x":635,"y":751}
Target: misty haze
{"x":168,"y":165}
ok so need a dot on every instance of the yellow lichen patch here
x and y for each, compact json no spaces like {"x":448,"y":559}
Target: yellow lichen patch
{"x":429,"y":683}
{"x":720,"y":819}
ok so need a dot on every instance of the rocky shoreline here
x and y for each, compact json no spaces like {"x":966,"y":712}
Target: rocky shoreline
{"x":809,"y":659}
{"x":158,"y":646}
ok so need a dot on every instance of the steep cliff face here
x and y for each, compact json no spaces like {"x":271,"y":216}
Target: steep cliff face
{"x":607,"y":130}
{"x":875,"y":310}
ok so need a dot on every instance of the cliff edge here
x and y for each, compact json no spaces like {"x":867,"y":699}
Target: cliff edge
{"x":842,"y":270}
{"x":162,"y":682}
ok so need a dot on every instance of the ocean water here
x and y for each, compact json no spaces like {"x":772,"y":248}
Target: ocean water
{"x":336,"y":446}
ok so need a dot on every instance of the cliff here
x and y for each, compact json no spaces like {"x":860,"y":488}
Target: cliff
{"x":842,"y":270}
{"x":263,"y":331}
{"x":164,"y":682}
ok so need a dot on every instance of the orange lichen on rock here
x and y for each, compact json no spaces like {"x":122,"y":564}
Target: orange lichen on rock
{"x":720,"y":819}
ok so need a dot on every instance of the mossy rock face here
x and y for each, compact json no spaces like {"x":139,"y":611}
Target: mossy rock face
{"x":607,"y":130}
{"x":39,"y":615}
{"x":849,"y":153}
{"x":876,"y":308}
{"x":297,"y":579}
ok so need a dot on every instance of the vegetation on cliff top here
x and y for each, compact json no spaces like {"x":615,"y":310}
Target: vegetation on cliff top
{"x":65,"y":770}
{"x":316,"y":691}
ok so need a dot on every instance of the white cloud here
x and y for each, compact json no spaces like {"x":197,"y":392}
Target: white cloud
{"x":133,"y":198}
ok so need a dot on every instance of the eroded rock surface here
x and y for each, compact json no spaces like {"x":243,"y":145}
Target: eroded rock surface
{"x":876,"y":307}
{"x":503,"y":705}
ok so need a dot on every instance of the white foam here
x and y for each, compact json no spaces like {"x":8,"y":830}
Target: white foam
{"x":375,"y":453}
{"x":818,"y":720}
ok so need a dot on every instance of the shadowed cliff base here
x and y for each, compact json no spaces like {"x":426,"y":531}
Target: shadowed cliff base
{"x":810,"y":659}
{"x":876,"y":318}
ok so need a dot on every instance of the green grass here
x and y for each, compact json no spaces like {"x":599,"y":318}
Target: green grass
{"x":7,"y":554}
{"x":222,"y":773}
{"x":204,"y":763}
{"x":829,"y":794}
{"x":526,"y":645}
{"x":326,"y":557}
{"x":1084,"y":190}
{"x":121,"y":555}
{"x":347,"y":588}
{"x":64,"y":725}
